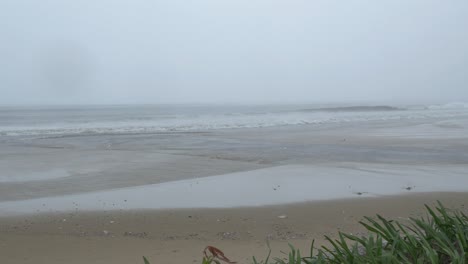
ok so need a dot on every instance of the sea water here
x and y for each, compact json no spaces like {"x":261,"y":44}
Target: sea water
{"x":117,"y":119}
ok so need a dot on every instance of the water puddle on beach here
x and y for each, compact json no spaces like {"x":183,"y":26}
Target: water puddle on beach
{"x":9,"y":177}
{"x":270,"y":186}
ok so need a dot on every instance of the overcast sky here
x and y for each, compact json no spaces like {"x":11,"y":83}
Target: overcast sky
{"x":174,"y":51}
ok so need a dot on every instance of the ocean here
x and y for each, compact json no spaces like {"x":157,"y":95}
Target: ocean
{"x":120,"y":119}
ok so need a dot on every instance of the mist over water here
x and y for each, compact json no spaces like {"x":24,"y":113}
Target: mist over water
{"x":157,"y":52}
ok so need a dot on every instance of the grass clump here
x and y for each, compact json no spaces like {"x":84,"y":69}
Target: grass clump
{"x":438,"y":238}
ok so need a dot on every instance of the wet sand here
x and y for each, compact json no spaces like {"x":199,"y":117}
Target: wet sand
{"x":43,"y":166}
{"x":277,"y":185}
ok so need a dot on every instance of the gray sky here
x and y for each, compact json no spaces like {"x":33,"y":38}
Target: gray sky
{"x":155,"y":51}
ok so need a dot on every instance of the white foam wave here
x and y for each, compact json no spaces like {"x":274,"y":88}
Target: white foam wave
{"x":203,"y":122}
{"x":452,"y":105}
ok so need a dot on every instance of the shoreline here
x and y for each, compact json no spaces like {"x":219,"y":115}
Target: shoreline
{"x":279,"y":185}
{"x":179,"y":235}
{"x":43,"y":167}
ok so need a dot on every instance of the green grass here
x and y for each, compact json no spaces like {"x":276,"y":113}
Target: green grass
{"x":438,"y":238}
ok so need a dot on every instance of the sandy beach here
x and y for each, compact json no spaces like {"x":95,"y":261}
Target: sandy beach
{"x":179,"y":236}
{"x":112,"y":198}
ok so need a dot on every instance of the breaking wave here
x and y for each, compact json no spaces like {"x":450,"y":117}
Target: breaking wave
{"x":361,"y":108}
{"x":453,"y":105}
{"x":137,"y":119}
